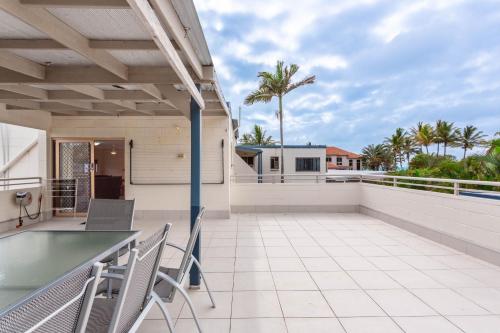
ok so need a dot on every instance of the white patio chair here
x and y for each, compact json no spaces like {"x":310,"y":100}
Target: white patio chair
{"x":63,"y":307}
{"x":171,"y":280}
{"x":135,"y":297}
{"x":111,"y":215}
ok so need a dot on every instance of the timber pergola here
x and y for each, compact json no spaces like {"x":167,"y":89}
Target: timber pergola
{"x":106,"y":57}
{"x":110,"y":58}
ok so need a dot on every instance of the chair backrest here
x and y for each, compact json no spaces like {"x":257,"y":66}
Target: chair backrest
{"x":62,"y":307}
{"x":195,"y":231}
{"x":110,"y":214}
{"x":138,"y":281}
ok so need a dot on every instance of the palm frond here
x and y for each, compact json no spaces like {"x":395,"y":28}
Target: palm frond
{"x":308,"y":80}
{"x":259,"y":95}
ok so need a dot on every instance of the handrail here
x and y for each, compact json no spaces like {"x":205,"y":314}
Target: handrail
{"x":456,"y":187}
{"x":5,"y":182}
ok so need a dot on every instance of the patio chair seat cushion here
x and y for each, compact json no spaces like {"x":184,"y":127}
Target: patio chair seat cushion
{"x":101,"y":315}
{"x":162,"y":288}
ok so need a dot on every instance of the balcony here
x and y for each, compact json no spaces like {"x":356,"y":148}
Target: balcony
{"x":357,"y":254}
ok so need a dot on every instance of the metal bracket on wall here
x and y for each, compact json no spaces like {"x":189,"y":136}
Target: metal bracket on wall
{"x":131,"y":146}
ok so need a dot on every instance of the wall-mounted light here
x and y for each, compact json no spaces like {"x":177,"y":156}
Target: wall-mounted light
{"x":97,"y":143}
{"x":113,"y":151}
{"x":180,"y":155}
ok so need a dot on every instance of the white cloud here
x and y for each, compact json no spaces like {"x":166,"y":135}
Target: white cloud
{"x":222,"y":69}
{"x":313,"y":101}
{"x":243,"y":86}
{"x":398,"y":22}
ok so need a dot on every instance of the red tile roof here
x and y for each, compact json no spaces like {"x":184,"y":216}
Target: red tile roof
{"x":340,"y":152}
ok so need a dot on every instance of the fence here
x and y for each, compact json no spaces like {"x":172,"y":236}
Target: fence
{"x":473,"y":188}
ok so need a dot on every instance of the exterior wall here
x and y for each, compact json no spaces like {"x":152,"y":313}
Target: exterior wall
{"x":9,"y":210}
{"x":341,"y":197}
{"x":162,"y":154}
{"x":473,"y":220}
{"x":345,"y":161}
{"x":290,"y":155}
{"x":34,"y":119}
{"x":240,"y":167}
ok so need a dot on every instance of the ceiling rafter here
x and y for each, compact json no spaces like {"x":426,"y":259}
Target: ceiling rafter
{"x":147,"y":15}
{"x":47,"y":23}
{"x":21,"y":65}
{"x":77,"y":3}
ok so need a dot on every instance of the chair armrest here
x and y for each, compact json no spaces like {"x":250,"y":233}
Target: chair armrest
{"x":117,"y":268}
{"x":112,"y":276}
{"x":175,"y":246}
{"x":166,"y":278}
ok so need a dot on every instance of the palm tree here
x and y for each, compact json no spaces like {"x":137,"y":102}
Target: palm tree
{"x":376,"y":157}
{"x":257,"y":137}
{"x":437,"y":139}
{"x":423,"y":134}
{"x":278,"y":84}
{"x":470,"y":137}
{"x":447,"y":134}
{"x":395,"y":144}
{"x":410,"y":147}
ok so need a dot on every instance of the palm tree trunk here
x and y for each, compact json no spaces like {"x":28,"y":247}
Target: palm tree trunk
{"x":437,"y":154}
{"x":427,"y":149}
{"x":280,"y":99}
{"x":465,"y":150}
{"x":444,"y":153}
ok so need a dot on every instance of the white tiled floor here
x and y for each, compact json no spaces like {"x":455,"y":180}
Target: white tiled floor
{"x":335,"y":273}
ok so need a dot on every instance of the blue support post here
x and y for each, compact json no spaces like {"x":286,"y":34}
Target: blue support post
{"x":194,"y":276}
{"x":259,"y":166}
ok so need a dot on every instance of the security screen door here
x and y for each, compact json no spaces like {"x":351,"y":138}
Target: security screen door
{"x":74,"y":160}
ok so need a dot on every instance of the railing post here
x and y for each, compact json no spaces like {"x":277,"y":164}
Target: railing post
{"x":456,"y":188}
{"x":394,"y":182}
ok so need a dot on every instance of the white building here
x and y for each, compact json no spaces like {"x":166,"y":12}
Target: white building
{"x":340,"y":159}
{"x":299,"y":160}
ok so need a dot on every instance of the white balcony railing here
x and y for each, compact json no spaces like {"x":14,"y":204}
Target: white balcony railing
{"x":22,"y":182}
{"x":474,"y":188}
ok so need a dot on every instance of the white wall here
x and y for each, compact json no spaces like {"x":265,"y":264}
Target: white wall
{"x":9,"y":211}
{"x":471,"y":219}
{"x":299,"y":197}
{"x":158,"y":141}
{"x":345,"y":162}
{"x":290,"y":155}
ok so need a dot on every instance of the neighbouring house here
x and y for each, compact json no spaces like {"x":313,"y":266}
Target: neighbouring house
{"x":340,"y":159}
{"x":265,"y":160}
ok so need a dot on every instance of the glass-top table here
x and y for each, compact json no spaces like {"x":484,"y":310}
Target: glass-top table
{"x":32,"y":260}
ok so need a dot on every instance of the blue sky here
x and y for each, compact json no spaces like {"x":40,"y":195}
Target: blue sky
{"x":380,"y":64}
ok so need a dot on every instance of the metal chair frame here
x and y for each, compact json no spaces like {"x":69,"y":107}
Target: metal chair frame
{"x":187,"y":262}
{"x":87,"y":292}
{"x":151,"y":297}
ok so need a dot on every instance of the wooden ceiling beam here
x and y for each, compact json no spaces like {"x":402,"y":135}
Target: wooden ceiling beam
{"x":77,"y":3}
{"x":49,"y":44}
{"x":21,"y":65}
{"x":25,"y":90}
{"x":147,"y":15}
{"x":92,"y":75}
{"x":168,"y":16}
{"x":44,"y":21}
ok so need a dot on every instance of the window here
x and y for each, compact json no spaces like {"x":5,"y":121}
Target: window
{"x":307,"y":164}
{"x":248,"y":159}
{"x":275,"y":163}
{"x":358,"y":164}
{"x":339,"y":160}
{"x":351,"y":164}
{"x":328,"y":159}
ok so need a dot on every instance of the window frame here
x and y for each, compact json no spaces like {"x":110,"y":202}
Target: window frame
{"x":339,"y":161}
{"x":300,"y":164}
{"x":277,"y":163}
